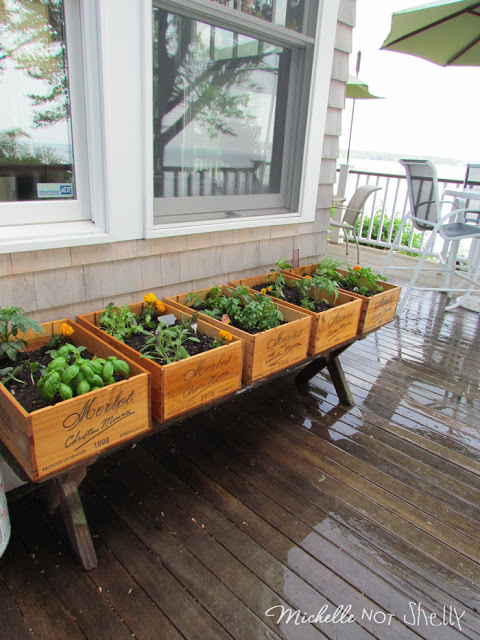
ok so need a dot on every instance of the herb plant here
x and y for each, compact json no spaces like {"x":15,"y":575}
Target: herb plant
{"x":363,"y":281}
{"x":252,"y":312}
{"x":323,"y":288}
{"x":69,"y":374}
{"x":119,"y":322}
{"x":12,"y":321}
{"x":277,"y":278}
{"x":327,"y":268}
{"x":167,"y":344}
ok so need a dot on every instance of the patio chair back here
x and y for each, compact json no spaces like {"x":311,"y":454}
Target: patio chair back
{"x":357,"y":202}
{"x":422,"y":187}
{"x":472,"y":181}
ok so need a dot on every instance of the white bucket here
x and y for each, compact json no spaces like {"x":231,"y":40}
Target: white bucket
{"x":5,"y":528}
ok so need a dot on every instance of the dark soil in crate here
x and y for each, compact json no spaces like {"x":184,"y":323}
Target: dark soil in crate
{"x":292,"y":295}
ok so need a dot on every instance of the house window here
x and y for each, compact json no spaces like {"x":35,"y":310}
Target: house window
{"x":36,"y":130}
{"x":229,"y":108}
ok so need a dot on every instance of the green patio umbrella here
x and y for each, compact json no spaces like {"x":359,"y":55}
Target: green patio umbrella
{"x":358,"y":90}
{"x":446,"y":33}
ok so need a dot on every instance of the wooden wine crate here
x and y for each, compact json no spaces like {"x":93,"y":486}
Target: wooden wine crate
{"x":54,"y":438}
{"x":377,"y":310}
{"x":181,"y":386}
{"x":266,"y":352}
{"x":329,"y":328}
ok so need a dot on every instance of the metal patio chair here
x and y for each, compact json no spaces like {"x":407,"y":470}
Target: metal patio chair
{"x":352,"y":212}
{"x":425,"y":214}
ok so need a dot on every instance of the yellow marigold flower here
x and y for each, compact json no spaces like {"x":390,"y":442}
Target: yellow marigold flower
{"x":159,"y":306}
{"x":150,"y":298}
{"x":356,"y":268}
{"x":66,"y":329}
{"x":226,"y":335}
{"x":263,"y":291}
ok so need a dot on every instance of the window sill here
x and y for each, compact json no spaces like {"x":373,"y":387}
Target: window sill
{"x":50,"y":236}
{"x":176,"y":228}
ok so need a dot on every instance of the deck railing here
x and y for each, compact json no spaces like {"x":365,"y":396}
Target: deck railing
{"x":391,"y":202}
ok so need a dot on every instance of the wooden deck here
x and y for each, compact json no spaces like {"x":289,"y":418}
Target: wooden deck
{"x":279,"y":501}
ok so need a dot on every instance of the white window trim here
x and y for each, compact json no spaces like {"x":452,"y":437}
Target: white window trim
{"x":315,"y":131}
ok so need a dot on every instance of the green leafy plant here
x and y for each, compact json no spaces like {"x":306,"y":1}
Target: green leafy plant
{"x":276,"y":277}
{"x":120,"y":322}
{"x":252,"y":312}
{"x":327,"y":268}
{"x":12,"y":321}
{"x":323,"y":289}
{"x":168,"y":343}
{"x":10,"y":373}
{"x":69,"y":374}
{"x":362,"y":280}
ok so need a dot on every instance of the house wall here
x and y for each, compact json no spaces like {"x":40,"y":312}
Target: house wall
{"x":64,"y":282}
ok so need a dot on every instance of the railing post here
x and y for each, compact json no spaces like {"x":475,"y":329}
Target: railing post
{"x":340,"y":196}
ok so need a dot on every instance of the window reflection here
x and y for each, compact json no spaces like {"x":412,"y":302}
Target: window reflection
{"x":219,"y":110}
{"x":285,"y":13}
{"x":36,"y":160}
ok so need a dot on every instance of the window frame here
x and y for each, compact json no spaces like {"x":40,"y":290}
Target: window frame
{"x":317,"y":55}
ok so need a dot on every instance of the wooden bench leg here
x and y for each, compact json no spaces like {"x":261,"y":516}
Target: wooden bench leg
{"x":339,"y":381}
{"x":66,"y":490}
{"x":336,"y":372}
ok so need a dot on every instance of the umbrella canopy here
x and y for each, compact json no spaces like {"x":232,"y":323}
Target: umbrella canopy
{"x":447,"y":33}
{"x":358,"y":90}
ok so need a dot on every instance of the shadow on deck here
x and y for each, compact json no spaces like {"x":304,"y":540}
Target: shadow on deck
{"x":282,"y":498}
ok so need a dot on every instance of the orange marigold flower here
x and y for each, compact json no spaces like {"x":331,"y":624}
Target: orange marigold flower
{"x":356,"y":268}
{"x":226,"y":335}
{"x":309,"y":277}
{"x":159,"y":306}
{"x":263,"y":291}
{"x":66,"y":329}
{"x":269,"y":288}
{"x":150,"y":298}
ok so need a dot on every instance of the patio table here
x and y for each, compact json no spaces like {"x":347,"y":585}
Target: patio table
{"x":61,"y":488}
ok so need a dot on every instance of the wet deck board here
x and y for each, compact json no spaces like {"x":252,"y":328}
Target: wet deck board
{"x":281,"y":498}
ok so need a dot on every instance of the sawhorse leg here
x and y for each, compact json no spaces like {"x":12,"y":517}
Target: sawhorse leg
{"x":63,"y":492}
{"x":331,"y":361}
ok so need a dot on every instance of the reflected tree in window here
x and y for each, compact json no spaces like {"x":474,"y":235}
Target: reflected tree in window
{"x":206,"y":78}
{"x":35,"y":133}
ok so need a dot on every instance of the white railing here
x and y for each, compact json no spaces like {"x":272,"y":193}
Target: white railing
{"x":391,"y":202}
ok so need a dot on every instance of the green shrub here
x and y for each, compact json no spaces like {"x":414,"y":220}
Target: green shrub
{"x":406,"y":235}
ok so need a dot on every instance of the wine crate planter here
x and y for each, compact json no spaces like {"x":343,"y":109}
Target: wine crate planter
{"x":54,"y":438}
{"x":266,"y":352}
{"x":329,"y":328}
{"x":377,"y":310}
{"x":181,"y":386}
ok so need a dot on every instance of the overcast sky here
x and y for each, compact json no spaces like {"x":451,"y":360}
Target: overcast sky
{"x":428,"y":110}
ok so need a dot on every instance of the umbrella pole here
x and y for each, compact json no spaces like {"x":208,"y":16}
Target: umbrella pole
{"x":351,"y":127}
{"x":357,"y":69}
